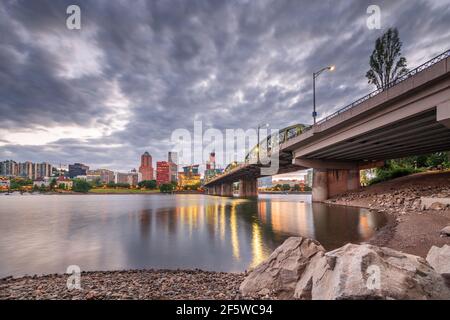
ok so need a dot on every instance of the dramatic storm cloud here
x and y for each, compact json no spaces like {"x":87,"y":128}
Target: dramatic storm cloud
{"x":138,"y":70}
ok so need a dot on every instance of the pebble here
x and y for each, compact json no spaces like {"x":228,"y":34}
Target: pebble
{"x":131,"y":284}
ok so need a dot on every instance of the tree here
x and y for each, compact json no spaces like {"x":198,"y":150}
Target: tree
{"x":81,"y":186}
{"x":386,"y":61}
{"x":53,"y":184}
{"x":147,"y":184}
{"x":166,"y":188}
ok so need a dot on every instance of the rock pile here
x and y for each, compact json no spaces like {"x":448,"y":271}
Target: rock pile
{"x":401,"y":200}
{"x":350,"y":272}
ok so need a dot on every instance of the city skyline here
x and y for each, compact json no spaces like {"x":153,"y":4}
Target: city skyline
{"x":232,"y":71}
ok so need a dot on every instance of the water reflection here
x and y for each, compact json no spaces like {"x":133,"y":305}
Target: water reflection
{"x":45,"y":234}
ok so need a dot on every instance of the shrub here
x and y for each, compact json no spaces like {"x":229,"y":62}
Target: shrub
{"x":385,"y":174}
{"x":81,"y":186}
{"x":166,"y":188}
{"x":147,"y":184}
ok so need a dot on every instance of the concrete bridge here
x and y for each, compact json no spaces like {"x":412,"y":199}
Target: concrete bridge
{"x":409,"y":117}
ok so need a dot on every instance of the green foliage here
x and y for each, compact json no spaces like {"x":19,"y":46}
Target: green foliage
{"x":118,"y":185}
{"x":384,"y":174}
{"x":386,"y":62}
{"x":437,"y":159}
{"x":166,"y":187}
{"x":111,"y":185}
{"x":53,"y":183}
{"x":17,"y":183}
{"x":81,"y":186}
{"x":285,"y":187}
{"x":62,"y":186}
{"x":148,"y":184}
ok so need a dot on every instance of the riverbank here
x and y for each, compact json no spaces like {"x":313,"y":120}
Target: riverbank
{"x":411,"y":228}
{"x":132,"y":284}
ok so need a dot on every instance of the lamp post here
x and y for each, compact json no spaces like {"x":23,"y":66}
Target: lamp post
{"x":315,"y":75}
{"x":265,"y":125}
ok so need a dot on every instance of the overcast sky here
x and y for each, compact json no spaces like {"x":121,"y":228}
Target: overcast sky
{"x":138,"y":70}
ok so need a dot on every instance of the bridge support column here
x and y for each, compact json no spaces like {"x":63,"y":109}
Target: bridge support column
{"x":330,"y":182}
{"x":226,"y":189}
{"x":248,"y":188}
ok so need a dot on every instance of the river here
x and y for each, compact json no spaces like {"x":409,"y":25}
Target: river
{"x":42,"y":234}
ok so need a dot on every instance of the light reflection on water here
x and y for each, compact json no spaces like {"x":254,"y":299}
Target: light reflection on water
{"x":44,"y":233}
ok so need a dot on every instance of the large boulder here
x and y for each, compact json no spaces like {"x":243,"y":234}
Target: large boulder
{"x":445,"y":232}
{"x":439,"y":259}
{"x":370,"y":272}
{"x":279,"y":274}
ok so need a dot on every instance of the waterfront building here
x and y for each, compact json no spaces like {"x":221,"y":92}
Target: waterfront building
{"x":27,"y":170}
{"x":64,"y":181}
{"x":290,"y":182}
{"x":265,"y":182}
{"x":146,"y":168}
{"x":9,"y":168}
{"x":77,"y":169}
{"x":42,"y":182}
{"x":165,"y":172}
{"x":43,"y":169}
{"x":104,"y":175}
{"x":189,"y":176}
{"x":4,"y":183}
{"x":131,"y":178}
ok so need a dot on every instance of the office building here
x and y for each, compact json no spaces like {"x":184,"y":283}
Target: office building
{"x":189,"y":177}
{"x":77,"y":169}
{"x":146,"y":168}
{"x":165,"y":172}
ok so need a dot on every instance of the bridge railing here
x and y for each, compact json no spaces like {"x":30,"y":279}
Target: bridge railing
{"x":391,"y":84}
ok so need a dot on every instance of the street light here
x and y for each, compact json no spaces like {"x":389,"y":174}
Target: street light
{"x":315,"y":75}
{"x":261,"y":125}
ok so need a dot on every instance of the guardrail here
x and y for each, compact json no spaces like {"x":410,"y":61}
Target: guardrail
{"x":391,"y":84}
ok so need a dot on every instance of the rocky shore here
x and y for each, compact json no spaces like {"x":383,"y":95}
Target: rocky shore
{"x":133,"y":284}
{"x":413,"y":227}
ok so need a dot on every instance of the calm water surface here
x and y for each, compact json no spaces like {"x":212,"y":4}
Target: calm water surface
{"x":42,"y":234}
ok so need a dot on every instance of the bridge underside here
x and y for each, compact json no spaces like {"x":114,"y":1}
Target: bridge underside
{"x":420,"y":134}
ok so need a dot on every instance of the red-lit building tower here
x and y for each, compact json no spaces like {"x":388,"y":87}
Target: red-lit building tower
{"x":146,"y":168}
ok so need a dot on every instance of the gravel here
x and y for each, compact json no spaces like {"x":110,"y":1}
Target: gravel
{"x":132,"y":284}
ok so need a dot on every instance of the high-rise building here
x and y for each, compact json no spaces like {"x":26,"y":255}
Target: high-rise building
{"x":146,"y":168}
{"x":165,"y":172}
{"x":211,"y":163}
{"x":42,"y":170}
{"x":9,"y":168}
{"x":173,"y":160}
{"x":26,"y":169}
{"x":77,"y":169}
{"x":173,"y":157}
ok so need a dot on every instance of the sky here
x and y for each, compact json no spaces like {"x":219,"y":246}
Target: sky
{"x":137,"y":71}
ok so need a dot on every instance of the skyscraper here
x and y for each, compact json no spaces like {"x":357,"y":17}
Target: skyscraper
{"x":173,"y":160}
{"x":173,"y":157}
{"x":146,"y":168}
